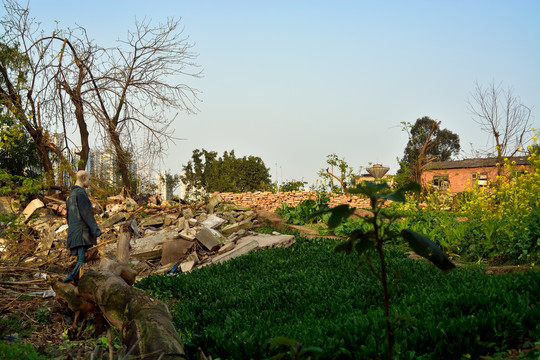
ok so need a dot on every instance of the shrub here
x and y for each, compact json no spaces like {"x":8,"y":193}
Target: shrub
{"x":305,"y":212}
{"x":505,"y":219}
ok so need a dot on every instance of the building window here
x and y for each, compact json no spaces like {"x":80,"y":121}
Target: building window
{"x":480,"y":179}
{"x":441,"y":182}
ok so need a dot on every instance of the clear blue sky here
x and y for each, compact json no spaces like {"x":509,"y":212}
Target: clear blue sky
{"x":293,"y":81}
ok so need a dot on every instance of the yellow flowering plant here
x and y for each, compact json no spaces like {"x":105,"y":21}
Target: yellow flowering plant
{"x":504,"y":219}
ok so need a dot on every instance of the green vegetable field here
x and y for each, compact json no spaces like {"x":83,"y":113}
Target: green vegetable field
{"x":331,"y":305}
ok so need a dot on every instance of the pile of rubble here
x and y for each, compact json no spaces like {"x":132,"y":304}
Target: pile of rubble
{"x":168,"y":237}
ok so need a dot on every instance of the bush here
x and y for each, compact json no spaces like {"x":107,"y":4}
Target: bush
{"x":505,"y":219}
{"x":305,"y":212}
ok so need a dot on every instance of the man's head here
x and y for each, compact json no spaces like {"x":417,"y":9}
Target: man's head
{"x":83,"y":178}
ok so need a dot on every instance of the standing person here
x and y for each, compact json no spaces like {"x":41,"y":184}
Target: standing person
{"x":83,"y":230}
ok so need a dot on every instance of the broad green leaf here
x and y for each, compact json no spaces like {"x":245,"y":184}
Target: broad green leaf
{"x":339,"y":214}
{"x":428,"y":249}
{"x":370,"y":188}
{"x":397,"y":196}
{"x":364,"y":245}
{"x":413,"y":186}
{"x":320,"y":212}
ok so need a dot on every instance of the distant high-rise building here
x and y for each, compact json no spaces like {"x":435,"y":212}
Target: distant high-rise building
{"x":101,"y":164}
{"x":162,"y":189}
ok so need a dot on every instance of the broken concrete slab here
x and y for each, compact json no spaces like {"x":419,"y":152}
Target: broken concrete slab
{"x":213,"y":222}
{"x":150,"y":247}
{"x":31,"y":208}
{"x":193,"y":257}
{"x":269,"y":241}
{"x":174,"y":250}
{"x":157,"y":220}
{"x":192,"y":222}
{"x":208,"y":239}
{"x":168,"y":220}
{"x":187,"y":266}
{"x":234,"y":237}
{"x":240,"y":250}
{"x":232,"y":228}
{"x":116,"y":218}
{"x":227,"y":247}
{"x":188,"y":234}
{"x":181,"y":224}
{"x":187,"y":213}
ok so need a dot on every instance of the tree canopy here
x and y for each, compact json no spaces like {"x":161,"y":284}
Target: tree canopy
{"x":206,"y":171}
{"x":427,"y":143}
{"x":293,"y":185}
{"x":18,"y":153}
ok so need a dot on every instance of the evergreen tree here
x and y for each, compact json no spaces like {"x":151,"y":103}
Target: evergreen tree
{"x":208,"y":172}
{"x":427,"y":143}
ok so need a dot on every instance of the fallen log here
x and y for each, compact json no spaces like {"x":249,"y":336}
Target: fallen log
{"x":145,"y":322}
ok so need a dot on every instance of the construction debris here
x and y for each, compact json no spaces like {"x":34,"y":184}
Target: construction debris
{"x":165,"y":237}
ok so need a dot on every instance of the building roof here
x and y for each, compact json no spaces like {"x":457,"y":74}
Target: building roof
{"x":473,"y":163}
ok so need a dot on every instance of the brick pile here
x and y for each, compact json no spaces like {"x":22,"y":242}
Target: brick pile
{"x":270,"y":201}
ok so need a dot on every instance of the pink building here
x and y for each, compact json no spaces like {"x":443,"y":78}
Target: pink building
{"x":459,"y":175}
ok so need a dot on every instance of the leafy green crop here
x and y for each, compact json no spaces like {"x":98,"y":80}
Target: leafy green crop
{"x":323,"y":299}
{"x":305,"y":212}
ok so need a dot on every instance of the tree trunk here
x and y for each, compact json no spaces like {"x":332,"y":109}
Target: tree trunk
{"x":121,"y":158}
{"x":83,"y":130}
{"x":145,"y":322}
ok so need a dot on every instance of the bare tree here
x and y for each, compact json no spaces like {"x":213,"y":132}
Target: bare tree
{"x":33,"y":80}
{"x":129,"y":91}
{"x":71,"y":78}
{"x":139,"y":84}
{"x":502,"y":115}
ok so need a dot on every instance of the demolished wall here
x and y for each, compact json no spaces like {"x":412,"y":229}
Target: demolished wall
{"x":269,"y":201}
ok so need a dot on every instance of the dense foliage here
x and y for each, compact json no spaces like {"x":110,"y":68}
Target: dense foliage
{"x":427,"y":143}
{"x":18,"y":153}
{"x":208,"y":172}
{"x":19,"y":187}
{"x":307,"y":212}
{"x":498,"y":224}
{"x":321,"y":298}
{"x":293,"y":185}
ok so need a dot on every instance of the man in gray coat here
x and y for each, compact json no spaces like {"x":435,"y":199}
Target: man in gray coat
{"x":83,"y":230}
